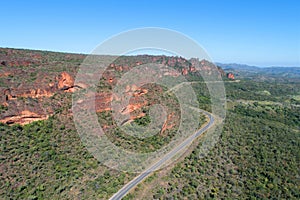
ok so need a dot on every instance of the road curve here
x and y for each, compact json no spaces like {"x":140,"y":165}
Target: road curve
{"x":130,"y":185}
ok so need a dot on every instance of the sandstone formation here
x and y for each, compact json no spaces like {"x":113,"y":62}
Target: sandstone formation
{"x":230,"y":76}
{"x":37,"y":77}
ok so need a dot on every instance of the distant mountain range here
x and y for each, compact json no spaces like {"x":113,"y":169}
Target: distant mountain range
{"x":247,"y":71}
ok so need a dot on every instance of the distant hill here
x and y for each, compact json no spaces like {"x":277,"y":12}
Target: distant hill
{"x":236,"y":66}
{"x":261,"y":73}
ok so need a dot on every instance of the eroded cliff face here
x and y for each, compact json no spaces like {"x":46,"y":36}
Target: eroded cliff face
{"x":24,"y":117}
{"x":19,"y":112}
{"x":65,"y":82}
{"x":30,"y":82}
{"x":25,"y":103}
{"x":230,"y":76}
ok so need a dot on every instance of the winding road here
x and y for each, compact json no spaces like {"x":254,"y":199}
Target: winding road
{"x":130,"y":185}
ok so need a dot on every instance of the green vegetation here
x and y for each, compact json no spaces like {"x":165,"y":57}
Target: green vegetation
{"x":257,"y":156}
{"x":143,"y":121}
{"x":3,"y":108}
{"x":46,"y":159}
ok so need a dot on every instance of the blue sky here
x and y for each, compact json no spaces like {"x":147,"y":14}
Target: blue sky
{"x":254,"y":32}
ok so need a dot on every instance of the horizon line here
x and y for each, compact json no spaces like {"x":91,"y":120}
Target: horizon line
{"x":84,"y":53}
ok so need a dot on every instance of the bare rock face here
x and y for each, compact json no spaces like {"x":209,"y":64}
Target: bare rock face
{"x":65,"y":82}
{"x":25,"y":117}
{"x":4,"y":74}
{"x":13,"y":98}
{"x":168,"y":123}
{"x":230,"y":76}
{"x":184,"y":71}
{"x":15,"y":93}
{"x":35,"y":78}
{"x":23,"y":111}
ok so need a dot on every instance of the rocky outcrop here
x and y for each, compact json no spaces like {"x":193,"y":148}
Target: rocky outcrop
{"x":65,"y":82}
{"x":25,"y":117}
{"x":14,"y":93}
{"x":4,"y":74}
{"x":168,"y":124}
{"x":184,"y":71}
{"x":230,"y":76}
{"x":13,"y":98}
{"x":42,"y":78}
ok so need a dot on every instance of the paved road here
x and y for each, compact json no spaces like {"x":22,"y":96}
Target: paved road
{"x":126,"y":188}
